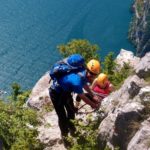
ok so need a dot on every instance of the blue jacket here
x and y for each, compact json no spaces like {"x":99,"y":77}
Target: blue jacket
{"x":72,"y":82}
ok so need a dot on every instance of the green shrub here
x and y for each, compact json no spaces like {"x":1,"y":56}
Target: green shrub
{"x":119,"y":76}
{"x":111,"y":68}
{"x":86,"y":135}
{"x":109,"y":64}
{"x":83,"y":47}
{"x":17,"y":124}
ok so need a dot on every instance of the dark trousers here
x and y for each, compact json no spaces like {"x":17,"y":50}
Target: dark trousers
{"x":64,"y":107}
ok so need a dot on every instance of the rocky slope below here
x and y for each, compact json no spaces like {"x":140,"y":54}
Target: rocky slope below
{"x":126,"y":112}
{"x":139,"y":32}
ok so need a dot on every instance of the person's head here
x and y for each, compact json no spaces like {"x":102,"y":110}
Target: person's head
{"x":102,"y":79}
{"x":93,"y":69}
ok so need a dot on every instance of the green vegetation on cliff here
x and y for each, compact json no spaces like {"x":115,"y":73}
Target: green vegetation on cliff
{"x":17,"y":123}
{"x":83,"y":47}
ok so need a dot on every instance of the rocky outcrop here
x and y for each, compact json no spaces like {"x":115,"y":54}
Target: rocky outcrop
{"x":126,"y":109}
{"x":124,"y":114}
{"x":127,"y":57}
{"x":141,"y":139}
{"x":139,"y":31}
{"x":123,"y":95}
{"x":49,"y":133}
{"x":40,"y":94}
{"x":143,"y":68}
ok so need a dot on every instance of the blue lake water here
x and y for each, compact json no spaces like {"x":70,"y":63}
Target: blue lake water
{"x":30,"y":30}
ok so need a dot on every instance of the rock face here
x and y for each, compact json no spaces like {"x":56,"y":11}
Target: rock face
{"x":126,"y":122}
{"x":143,"y":68}
{"x":126,"y":108}
{"x":127,"y":57}
{"x":123,"y":113}
{"x":49,"y":132}
{"x":141,"y":139}
{"x":139,"y":32}
{"x":40,"y":94}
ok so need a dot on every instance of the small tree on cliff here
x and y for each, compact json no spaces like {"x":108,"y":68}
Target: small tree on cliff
{"x":109,"y":64}
{"x":83,"y":47}
{"x":110,"y":67}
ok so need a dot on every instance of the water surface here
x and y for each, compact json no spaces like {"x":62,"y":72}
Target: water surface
{"x":30,"y":30}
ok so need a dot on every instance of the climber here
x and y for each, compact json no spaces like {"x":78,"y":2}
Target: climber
{"x":101,"y":87}
{"x":73,"y":81}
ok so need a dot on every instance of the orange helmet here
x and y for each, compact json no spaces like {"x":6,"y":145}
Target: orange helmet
{"x":94,"y":66}
{"x":101,"y":79}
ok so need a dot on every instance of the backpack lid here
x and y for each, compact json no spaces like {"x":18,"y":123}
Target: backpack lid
{"x":75,"y":60}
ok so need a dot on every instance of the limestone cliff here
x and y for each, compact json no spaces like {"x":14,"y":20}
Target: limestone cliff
{"x":139,"y":31}
{"x":127,"y":112}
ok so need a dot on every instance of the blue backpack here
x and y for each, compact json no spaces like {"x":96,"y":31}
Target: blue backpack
{"x":73,"y":63}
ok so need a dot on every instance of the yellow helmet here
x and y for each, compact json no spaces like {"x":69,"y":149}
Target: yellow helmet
{"x":94,"y":66}
{"x":101,"y":79}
